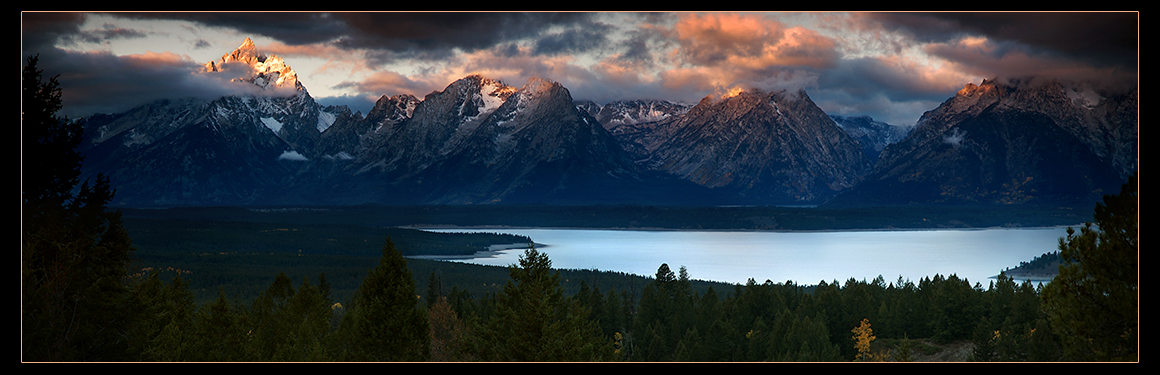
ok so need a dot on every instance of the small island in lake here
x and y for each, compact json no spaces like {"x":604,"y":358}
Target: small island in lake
{"x":1042,"y":268}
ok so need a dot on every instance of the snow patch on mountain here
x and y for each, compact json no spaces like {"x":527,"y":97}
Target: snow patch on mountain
{"x":325,"y":120}
{"x":271,"y":123}
{"x":494,"y":95}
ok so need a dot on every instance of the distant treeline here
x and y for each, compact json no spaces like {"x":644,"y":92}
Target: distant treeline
{"x":241,"y":256}
{"x":633,"y":216}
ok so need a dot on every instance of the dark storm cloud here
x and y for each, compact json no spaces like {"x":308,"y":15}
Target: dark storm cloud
{"x":391,"y":31}
{"x":394,"y":35}
{"x":106,"y":33}
{"x":433,"y":36}
{"x":1104,"y":39}
{"x":290,"y":28}
{"x":42,"y":30}
{"x":869,"y":77}
{"x":467,"y":31}
{"x":570,"y":41}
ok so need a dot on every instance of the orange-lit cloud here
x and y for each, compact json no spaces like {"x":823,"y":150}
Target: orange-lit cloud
{"x":622,"y":73}
{"x":154,"y":59}
{"x":750,"y":41}
{"x":982,"y":57}
{"x":336,"y":59}
{"x":719,"y":52}
{"x":384,"y":83}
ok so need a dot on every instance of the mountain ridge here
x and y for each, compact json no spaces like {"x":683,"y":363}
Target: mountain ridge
{"x":482,"y":141}
{"x":1015,"y":141}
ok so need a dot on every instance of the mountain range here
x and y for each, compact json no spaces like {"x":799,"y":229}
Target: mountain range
{"x":481,"y":141}
{"x":1015,"y":141}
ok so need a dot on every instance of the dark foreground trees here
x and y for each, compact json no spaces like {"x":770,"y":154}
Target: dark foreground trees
{"x":75,"y":252}
{"x":385,"y":321}
{"x":533,"y":320}
{"x":1093,"y":304}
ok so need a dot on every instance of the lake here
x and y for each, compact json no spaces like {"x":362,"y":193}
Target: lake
{"x":803,"y":257}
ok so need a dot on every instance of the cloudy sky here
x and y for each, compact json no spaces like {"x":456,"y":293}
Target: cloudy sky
{"x":890,"y":66}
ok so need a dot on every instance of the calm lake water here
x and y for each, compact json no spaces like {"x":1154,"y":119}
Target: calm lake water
{"x":803,"y":257}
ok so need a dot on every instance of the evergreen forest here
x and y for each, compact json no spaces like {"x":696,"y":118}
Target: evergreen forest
{"x":84,"y":300}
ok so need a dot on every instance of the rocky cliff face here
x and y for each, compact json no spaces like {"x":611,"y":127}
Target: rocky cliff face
{"x":635,"y":123}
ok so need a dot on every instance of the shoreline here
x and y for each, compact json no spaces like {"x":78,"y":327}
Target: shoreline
{"x":662,"y":229}
{"x":491,"y":252}
{"x":1026,"y":277}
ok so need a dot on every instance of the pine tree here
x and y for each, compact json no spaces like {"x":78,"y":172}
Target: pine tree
{"x":1093,"y":304}
{"x":221,"y":333}
{"x":75,"y":252}
{"x":385,"y":322}
{"x":984,"y":339}
{"x":166,"y":319}
{"x":535,"y":323}
{"x":269,"y":330}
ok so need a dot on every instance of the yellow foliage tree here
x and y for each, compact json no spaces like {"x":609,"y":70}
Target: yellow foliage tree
{"x":863,"y":336}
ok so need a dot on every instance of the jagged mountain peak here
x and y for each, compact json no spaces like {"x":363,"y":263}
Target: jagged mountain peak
{"x":479,"y":82}
{"x":392,"y":109}
{"x":1027,"y":92}
{"x":268,"y":72}
{"x":983,"y":88}
{"x":537,"y":88}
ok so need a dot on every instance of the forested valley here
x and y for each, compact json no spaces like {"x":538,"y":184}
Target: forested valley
{"x":82,"y":300}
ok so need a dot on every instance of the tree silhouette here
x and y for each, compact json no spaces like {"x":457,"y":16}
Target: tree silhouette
{"x":1093,"y":304}
{"x":535,"y":323}
{"x":384,"y":322}
{"x":75,"y":251}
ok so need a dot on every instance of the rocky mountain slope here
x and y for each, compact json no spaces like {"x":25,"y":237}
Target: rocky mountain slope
{"x":873,"y":135}
{"x":1009,"y":142}
{"x":482,"y":141}
{"x":759,"y":147}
